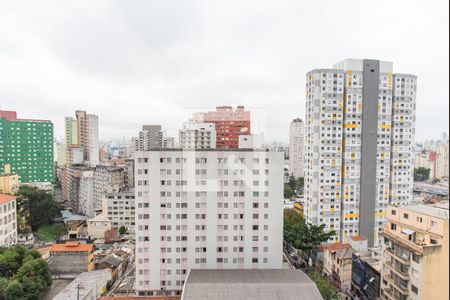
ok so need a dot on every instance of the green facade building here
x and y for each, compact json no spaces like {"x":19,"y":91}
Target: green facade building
{"x":27,"y":145}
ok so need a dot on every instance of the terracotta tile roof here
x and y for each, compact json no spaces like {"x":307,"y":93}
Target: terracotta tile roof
{"x":358,"y":238}
{"x":6,"y":198}
{"x":72,"y":247}
{"x":337,"y":246}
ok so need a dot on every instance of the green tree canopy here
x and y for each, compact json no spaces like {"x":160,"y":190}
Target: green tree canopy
{"x":122,"y":230}
{"x":327,"y":290}
{"x":14,"y":291}
{"x":304,"y":236}
{"x":36,"y":206}
{"x":23,"y":274}
{"x":421,"y":174}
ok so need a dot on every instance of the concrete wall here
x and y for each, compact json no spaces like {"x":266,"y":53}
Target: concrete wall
{"x":71,"y":262}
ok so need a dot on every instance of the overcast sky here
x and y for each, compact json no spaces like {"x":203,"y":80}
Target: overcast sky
{"x":154,"y":62}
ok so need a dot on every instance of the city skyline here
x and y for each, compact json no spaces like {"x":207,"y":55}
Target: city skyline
{"x":164,"y":61}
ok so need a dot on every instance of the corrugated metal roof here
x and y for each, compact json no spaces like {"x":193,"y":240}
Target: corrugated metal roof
{"x":249,"y":285}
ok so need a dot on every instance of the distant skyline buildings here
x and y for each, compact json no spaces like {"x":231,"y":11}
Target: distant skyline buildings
{"x":296,"y":147}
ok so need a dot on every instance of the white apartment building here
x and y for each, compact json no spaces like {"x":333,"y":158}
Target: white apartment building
{"x":205,"y":209}
{"x":107,"y":179}
{"x":8,"y":220}
{"x":442,"y":167}
{"x":86,"y":199}
{"x":196,"y":135}
{"x":359,"y":130}
{"x":296,"y":144}
{"x":119,"y":207}
{"x":71,"y":132}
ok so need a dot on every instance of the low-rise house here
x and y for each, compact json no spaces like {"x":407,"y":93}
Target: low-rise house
{"x":71,"y":258}
{"x":97,"y":226}
{"x":8,"y":220}
{"x":116,"y":263}
{"x":338,"y":265}
{"x":76,"y":227}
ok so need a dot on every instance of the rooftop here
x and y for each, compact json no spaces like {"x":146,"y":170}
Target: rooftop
{"x":6,"y":198}
{"x":358,"y":238}
{"x":429,"y":210}
{"x":249,"y":284}
{"x":337,"y":246}
{"x":99,"y":218}
{"x":72,"y":247}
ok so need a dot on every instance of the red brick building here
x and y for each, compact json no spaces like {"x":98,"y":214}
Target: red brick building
{"x":230,"y":124}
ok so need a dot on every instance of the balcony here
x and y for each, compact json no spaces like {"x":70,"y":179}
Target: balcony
{"x":401,"y":273}
{"x":401,"y":257}
{"x":409,"y":245}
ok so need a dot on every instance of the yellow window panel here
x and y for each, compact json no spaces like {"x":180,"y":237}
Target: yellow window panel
{"x":380,"y":214}
{"x":386,"y":126}
{"x":351,"y":125}
{"x":352,"y":215}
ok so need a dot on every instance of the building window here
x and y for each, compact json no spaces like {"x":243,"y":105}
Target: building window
{"x":393,"y":226}
{"x":414,"y":289}
{"x":405,"y":216}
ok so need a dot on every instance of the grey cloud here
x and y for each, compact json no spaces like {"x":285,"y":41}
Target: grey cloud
{"x":136,"y":62}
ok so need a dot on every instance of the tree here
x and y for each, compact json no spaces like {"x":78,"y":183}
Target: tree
{"x":3,"y":285}
{"x":11,"y":260}
{"x":36,"y":206}
{"x":14,"y":291}
{"x":327,"y":291}
{"x":288,"y":193}
{"x":122,"y":230}
{"x":23,"y":274}
{"x":421,"y":174}
{"x":35,"y":277}
{"x":304,"y":236}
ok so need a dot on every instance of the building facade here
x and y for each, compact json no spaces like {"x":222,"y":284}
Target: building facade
{"x":415,"y":253}
{"x":296,"y":143}
{"x":87,"y":136}
{"x":8,"y":220}
{"x":205,"y":209}
{"x":229,"y":124}
{"x":9,"y":182}
{"x":442,"y":167}
{"x":106,"y":179}
{"x":27,"y":146}
{"x":119,"y":207}
{"x":359,"y":129}
{"x":86,"y":194}
{"x":70,"y":131}
{"x":198,"y":136}
{"x":71,"y":258}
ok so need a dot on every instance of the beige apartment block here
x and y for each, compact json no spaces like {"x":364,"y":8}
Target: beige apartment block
{"x":9,"y":182}
{"x":415,"y":253}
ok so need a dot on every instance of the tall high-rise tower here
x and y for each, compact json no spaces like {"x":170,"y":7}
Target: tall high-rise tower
{"x":296,"y":142}
{"x":26,"y":145}
{"x":359,"y":136}
{"x":87,"y":136}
